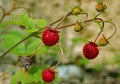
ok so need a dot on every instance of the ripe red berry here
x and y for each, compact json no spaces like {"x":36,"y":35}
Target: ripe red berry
{"x":48,"y":75}
{"x":90,"y":50}
{"x":50,"y":37}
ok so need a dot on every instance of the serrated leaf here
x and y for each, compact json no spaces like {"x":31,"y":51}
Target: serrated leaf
{"x":27,"y":21}
{"x":21,"y":76}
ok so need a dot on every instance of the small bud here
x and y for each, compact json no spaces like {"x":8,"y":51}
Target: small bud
{"x":77,"y":27}
{"x":100,"y":7}
{"x":103,"y":41}
{"x":76,"y":10}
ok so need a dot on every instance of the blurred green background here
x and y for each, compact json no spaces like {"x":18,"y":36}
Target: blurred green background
{"x":105,"y":69}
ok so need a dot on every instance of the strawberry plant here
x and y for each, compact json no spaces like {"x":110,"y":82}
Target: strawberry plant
{"x":36,"y":36}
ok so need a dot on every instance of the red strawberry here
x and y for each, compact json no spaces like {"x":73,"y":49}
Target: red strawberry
{"x":90,"y":50}
{"x":50,"y":37}
{"x":48,"y":75}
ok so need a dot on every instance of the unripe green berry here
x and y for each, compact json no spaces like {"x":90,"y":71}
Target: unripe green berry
{"x":76,"y":10}
{"x":77,"y":27}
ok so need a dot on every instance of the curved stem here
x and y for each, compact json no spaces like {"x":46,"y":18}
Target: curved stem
{"x":66,"y":26}
{"x":20,"y":8}
{"x":60,"y":59}
{"x":38,"y":48}
{"x":63,"y":19}
{"x":74,"y":24}
{"x":55,"y":21}
{"x":15,"y":46}
{"x":98,"y":14}
{"x":101,"y":28}
{"x":98,"y":36}
{"x":115,"y":29}
{"x":86,"y":15}
{"x":101,"y":21}
{"x":3,"y":15}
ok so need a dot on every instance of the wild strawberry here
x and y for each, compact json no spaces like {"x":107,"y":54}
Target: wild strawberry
{"x":77,"y":27}
{"x":50,"y":37}
{"x":48,"y":75}
{"x":90,"y":50}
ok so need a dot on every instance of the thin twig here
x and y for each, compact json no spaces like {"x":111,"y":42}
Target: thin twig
{"x":98,"y":14}
{"x":3,"y":15}
{"x":101,"y":28}
{"x":74,"y":24}
{"x":61,"y":57}
{"x":86,"y":15}
{"x":19,"y":8}
{"x":55,"y":21}
{"x":63,"y":19}
{"x":36,"y":51}
{"x":115,"y":29}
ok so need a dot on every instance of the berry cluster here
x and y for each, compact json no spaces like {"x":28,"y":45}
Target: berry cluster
{"x":50,"y":36}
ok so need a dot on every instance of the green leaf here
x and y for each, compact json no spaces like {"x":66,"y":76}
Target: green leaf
{"x":40,"y":23}
{"x":11,"y":22}
{"x":34,"y":69}
{"x":32,"y":46}
{"x":33,"y":76}
{"x":11,"y":39}
{"x":21,"y":76}
{"x":30,"y":24}
{"x":27,"y":21}
{"x":30,"y":30}
{"x":43,"y":50}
